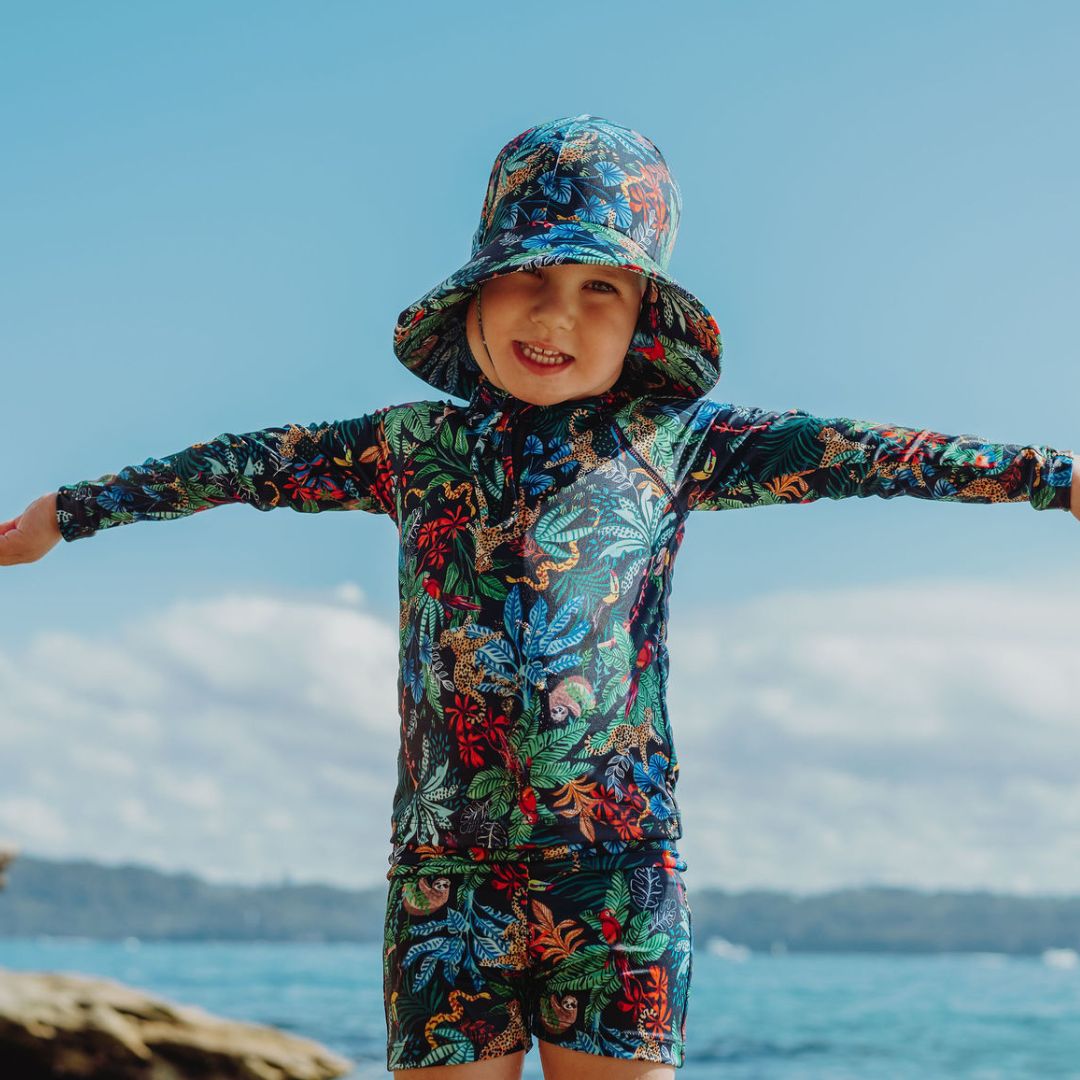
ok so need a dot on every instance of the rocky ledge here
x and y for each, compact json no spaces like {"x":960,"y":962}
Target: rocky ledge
{"x":58,"y":1025}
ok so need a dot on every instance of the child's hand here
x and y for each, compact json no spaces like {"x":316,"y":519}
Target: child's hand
{"x":33,"y":533}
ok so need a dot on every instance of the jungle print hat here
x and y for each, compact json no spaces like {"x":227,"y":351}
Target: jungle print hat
{"x":579,"y":189}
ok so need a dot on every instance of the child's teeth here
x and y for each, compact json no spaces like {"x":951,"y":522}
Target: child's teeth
{"x":542,"y":357}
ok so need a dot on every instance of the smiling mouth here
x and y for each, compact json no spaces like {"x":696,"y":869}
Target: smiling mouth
{"x":541,"y":361}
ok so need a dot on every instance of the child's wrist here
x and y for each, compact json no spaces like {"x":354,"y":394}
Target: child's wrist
{"x":53,"y":519}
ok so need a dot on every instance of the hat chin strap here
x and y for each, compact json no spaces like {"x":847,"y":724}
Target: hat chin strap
{"x":480,"y":323}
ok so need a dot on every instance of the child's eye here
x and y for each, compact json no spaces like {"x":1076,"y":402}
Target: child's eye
{"x":596,"y":281}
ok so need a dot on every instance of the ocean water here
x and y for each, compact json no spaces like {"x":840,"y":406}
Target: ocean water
{"x":796,"y":1016}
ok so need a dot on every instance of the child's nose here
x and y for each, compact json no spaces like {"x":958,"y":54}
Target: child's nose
{"x":554,"y":307}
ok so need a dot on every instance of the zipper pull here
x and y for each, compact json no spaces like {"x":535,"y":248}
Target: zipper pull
{"x":517,"y":433}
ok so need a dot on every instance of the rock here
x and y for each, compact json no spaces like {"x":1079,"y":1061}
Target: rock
{"x":7,"y":857}
{"x":59,"y":1025}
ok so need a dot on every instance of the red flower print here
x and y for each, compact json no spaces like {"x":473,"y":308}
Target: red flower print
{"x":626,"y":819}
{"x":633,"y":1000}
{"x":648,"y":1001}
{"x":479,"y":1032}
{"x":507,"y":877}
{"x":436,"y":555}
{"x":306,"y":485}
{"x":527,"y":805}
{"x":498,"y":726}
{"x":470,"y":736}
{"x":628,"y":827}
{"x":645,"y":190}
{"x":463,"y":711}
{"x":383,"y":486}
{"x":622,"y":811}
{"x":429,"y":534}
{"x":658,"y":1018}
{"x":471,"y":745}
{"x":455,"y":520}
{"x":607,"y":803}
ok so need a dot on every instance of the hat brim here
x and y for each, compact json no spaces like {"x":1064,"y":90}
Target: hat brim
{"x":675,"y":350}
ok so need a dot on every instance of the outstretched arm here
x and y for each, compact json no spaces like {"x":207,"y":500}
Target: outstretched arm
{"x":745,"y":456}
{"x":340,"y":465}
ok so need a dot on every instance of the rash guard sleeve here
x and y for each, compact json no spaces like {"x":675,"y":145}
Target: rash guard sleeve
{"x":747,"y":456}
{"x":336,"y":465}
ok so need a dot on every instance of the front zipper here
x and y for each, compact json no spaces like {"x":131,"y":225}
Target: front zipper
{"x":512,"y":485}
{"x":624,"y":440}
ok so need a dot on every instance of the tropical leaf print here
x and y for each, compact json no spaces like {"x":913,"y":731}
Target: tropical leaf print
{"x":550,"y":941}
{"x":427,"y":814}
{"x":579,"y":797}
{"x":647,"y":886}
{"x":534,"y":647}
{"x":461,"y":941}
{"x":555,"y":531}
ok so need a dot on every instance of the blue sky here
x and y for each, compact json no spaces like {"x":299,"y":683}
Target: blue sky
{"x":211,"y":216}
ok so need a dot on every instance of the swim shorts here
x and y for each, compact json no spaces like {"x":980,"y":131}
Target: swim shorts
{"x":591,"y":953}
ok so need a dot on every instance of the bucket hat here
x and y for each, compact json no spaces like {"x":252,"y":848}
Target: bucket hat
{"x":578,"y":189}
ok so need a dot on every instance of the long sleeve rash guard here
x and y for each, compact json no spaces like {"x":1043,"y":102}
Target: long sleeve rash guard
{"x":536,"y":554}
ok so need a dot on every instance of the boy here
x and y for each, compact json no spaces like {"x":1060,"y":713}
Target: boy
{"x":535,"y":883}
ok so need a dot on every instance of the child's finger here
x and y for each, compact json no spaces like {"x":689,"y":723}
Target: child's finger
{"x":12,"y":549}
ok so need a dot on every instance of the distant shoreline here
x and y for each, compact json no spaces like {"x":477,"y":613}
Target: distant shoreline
{"x":80,"y":899}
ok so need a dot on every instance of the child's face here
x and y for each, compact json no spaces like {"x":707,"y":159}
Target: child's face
{"x":587,"y":313}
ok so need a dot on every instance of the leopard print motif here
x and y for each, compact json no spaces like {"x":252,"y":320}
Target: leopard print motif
{"x":517,"y":934}
{"x":581,"y":449}
{"x":649,"y":1047}
{"x":836,"y":444}
{"x":511,"y":1037}
{"x":488,"y":537}
{"x":624,"y":736}
{"x":641,"y":432}
{"x":982,"y":487}
{"x":468,"y":675}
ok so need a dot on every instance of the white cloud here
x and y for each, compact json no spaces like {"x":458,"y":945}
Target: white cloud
{"x":923,"y":733}
{"x":221,"y":735}
{"x":279,"y":820}
{"x":105,"y":761}
{"x":195,"y":791}
{"x":33,"y":821}
{"x":135,"y":815}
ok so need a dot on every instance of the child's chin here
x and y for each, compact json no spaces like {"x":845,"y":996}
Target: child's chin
{"x":540,"y":397}
{"x":540,"y":392}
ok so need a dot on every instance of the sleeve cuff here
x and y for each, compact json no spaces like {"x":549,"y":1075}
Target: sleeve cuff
{"x":74,"y":511}
{"x":1057,"y":476}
